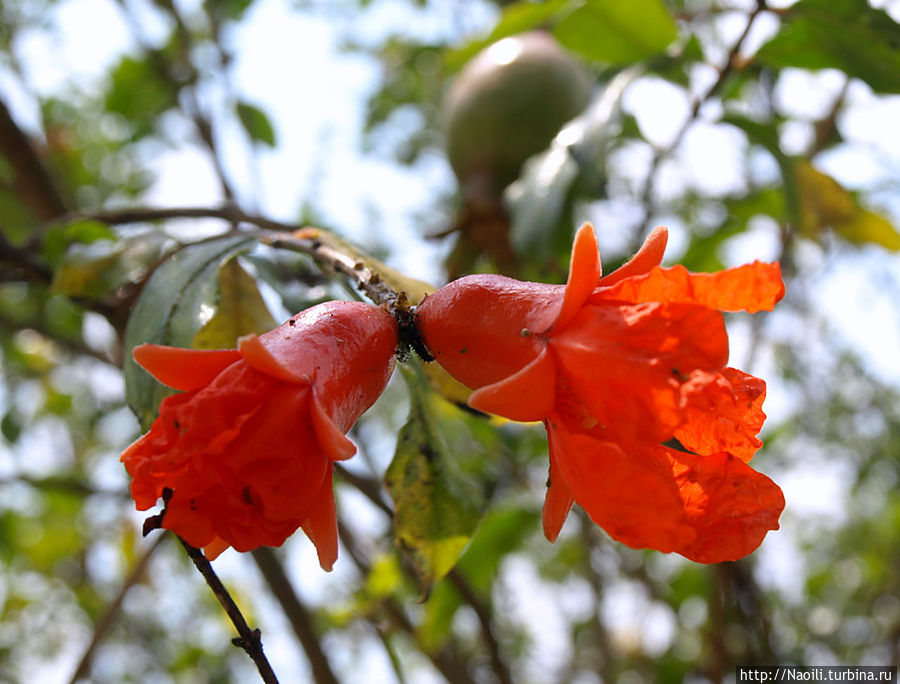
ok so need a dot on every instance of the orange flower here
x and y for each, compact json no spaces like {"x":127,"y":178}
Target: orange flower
{"x":246,"y":448}
{"x":615,"y":367}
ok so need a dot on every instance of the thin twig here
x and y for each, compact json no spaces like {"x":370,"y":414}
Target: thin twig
{"x":297,"y":614}
{"x":274,"y":233}
{"x":227,"y":212}
{"x":731,"y":62}
{"x":249,"y":639}
{"x":112,"y":611}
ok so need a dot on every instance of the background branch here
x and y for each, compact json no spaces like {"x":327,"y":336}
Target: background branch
{"x":299,"y":616}
{"x":106,"y":620}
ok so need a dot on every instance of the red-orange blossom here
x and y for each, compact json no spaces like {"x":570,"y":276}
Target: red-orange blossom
{"x":246,"y":449}
{"x":618,"y":368}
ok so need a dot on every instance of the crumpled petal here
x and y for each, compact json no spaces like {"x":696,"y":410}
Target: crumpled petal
{"x":629,"y":492}
{"x":723,"y":413}
{"x":730,"y":505}
{"x":626,"y":363}
{"x":708,"y":508}
{"x":751,"y":287}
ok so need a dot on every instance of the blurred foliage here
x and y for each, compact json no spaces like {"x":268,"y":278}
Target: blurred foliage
{"x":453,"y":579}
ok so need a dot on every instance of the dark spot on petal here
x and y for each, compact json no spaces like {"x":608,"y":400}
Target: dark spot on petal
{"x":292,"y":322}
{"x":463,"y":350}
{"x":678,"y":374}
{"x":246,"y":495}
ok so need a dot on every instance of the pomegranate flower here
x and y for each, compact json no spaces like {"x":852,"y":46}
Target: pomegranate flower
{"x":649,"y":430}
{"x":244,"y":453}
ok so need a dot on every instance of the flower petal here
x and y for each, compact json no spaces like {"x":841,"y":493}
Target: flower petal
{"x":751,"y":287}
{"x":649,"y":255}
{"x":626,"y":363}
{"x":260,"y":358}
{"x":731,"y":506}
{"x":630,"y":493}
{"x":584,"y":274}
{"x":558,"y":501}
{"x":321,"y":524}
{"x":183,"y":369}
{"x":724,"y":414}
{"x":708,"y":508}
{"x":215,"y":548}
{"x":526,"y":395}
{"x":333,"y":442}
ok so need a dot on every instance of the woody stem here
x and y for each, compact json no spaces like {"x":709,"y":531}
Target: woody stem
{"x":249,"y":639}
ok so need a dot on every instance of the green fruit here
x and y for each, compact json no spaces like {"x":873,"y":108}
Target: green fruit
{"x":507,"y":104}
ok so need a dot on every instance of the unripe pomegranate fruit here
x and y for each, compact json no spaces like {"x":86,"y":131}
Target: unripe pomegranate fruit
{"x":507,"y":104}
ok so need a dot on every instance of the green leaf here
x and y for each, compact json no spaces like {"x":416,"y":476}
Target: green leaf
{"x":867,"y":227}
{"x":617,"y":31}
{"x":180,"y":297}
{"x":256,"y":123}
{"x":849,"y":35}
{"x":95,"y":269}
{"x":241,"y":310}
{"x":826,"y":204}
{"x":59,"y":238}
{"x":139,"y":94}
{"x":435,"y":507}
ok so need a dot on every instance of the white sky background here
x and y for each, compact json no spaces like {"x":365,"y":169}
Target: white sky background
{"x":289,"y":63}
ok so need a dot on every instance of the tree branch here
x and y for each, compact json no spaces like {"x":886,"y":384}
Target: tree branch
{"x":485,"y":618}
{"x":249,"y":639}
{"x":33,"y":182}
{"x":274,"y":233}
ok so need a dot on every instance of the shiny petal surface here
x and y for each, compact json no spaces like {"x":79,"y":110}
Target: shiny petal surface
{"x":752,"y":287}
{"x":526,"y":395}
